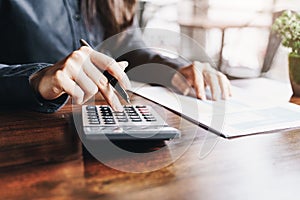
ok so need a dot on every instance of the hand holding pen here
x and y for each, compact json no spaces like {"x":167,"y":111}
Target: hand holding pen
{"x":111,"y":79}
{"x":79,"y":75}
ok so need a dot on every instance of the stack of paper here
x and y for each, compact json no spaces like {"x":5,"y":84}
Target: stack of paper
{"x":258,"y":105}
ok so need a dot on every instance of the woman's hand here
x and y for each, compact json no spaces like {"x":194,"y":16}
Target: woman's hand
{"x":80,"y":76}
{"x":199,"y":75}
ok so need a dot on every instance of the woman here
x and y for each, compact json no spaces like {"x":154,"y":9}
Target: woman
{"x":41,"y":55}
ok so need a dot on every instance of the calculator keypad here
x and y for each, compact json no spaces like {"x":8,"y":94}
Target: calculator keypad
{"x":132,"y":115}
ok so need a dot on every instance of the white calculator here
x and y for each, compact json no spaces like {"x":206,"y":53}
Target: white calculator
{"x":136,"y":122}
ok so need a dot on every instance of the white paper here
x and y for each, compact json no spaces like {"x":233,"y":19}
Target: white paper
{"x":258,"y":105}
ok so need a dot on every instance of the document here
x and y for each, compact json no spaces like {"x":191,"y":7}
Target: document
{"x":257,"y":105}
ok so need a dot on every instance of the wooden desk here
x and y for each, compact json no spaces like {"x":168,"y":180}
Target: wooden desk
{"x":41,"y":158}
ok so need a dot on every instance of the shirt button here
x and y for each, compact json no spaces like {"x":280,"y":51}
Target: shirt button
{"x":77,"y":17}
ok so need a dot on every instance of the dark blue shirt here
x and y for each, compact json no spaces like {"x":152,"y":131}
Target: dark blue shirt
{"x":38,"y":33}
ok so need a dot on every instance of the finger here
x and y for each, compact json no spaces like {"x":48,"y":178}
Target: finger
{"x":123,"y":65}
{"x":223,"y":85}
{"x":87,"y":85}
{"x":181,"y":84}
{"x":94,"y":74}
{"x":199,"y":81}
{"x":74,"y":62}
{"x":213,"y":83}
{"x":229,"y":88}
{"x":108,"y":93}
{"x":104,"y":87}
{"x":104,"y":62}
{"x":75,"y":71}
{"x":70,"y":87}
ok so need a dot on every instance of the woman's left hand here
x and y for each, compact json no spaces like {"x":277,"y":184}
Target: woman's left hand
{"x":199,"y":75}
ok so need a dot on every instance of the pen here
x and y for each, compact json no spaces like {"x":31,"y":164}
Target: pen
{"x":112,"y":80}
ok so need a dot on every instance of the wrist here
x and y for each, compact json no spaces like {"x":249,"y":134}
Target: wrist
{"x":35,"y":79}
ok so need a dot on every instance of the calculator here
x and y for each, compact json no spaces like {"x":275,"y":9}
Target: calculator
{"x":136,"y":122}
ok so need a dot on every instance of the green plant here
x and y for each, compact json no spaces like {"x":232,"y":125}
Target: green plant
{"x":287,"y":26}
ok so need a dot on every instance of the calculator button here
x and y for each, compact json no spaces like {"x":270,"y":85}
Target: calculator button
{"x":146,"y":114}
{"x":135,"y":117}
{"x":151,"y":120}
{"x":105,"y":109}
{"x":149,"y":117}
{"x":109,"y":123}
{"x":93,"y":117}
{"x":136,"y":120}
{"x":123,"y":120}
{"x":144,"y":111}
{"x":119,"y":113}
{"x":91,"y":111}
{"x":107,"y":117}
{"x":133,"y":114}
{"x":130,"y":111}
{"x":106,"y":114}
{"x":109,"y":120}
{"x":94,"y":121}
{"x":121,"y":117}
{"x":141,"y":106}
{"x":92,"y":108}
{"x":128,"y":106}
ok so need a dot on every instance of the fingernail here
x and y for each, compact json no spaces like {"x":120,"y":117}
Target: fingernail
{"x":214,"y":98}
{"x":186,"y":91}
{"x":123,"y":64}
{"x":118,"y":108}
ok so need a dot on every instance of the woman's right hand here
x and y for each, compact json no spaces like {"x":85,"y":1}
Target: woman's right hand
{"x":80,"y":76}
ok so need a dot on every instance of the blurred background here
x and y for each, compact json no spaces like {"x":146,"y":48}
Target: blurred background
{"x":235,"y":34}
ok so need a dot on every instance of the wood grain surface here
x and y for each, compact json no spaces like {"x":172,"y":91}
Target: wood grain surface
{"x":41,"y":157}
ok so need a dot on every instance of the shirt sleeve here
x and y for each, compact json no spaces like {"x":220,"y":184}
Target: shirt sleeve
{"x":16,"y":91}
